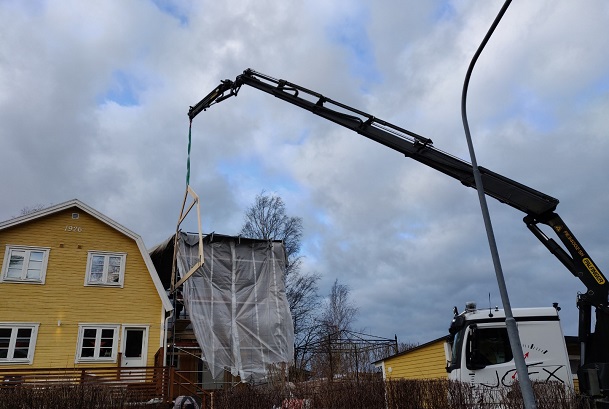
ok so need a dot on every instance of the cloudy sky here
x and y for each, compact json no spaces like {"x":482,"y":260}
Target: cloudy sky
{"x":94,"y":99}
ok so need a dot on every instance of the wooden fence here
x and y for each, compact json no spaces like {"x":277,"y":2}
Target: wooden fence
{"x":138,"y":383}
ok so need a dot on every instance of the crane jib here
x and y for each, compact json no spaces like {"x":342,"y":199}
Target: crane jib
{"x":538,"y":207}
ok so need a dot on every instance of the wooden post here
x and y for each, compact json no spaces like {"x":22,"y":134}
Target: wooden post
{"x":118,"y":365}
{"x":171,"y":382}
{"x":331,"y":377}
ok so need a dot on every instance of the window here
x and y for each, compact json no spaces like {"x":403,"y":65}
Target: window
{"x":25,"y":264}
{"x":17,"y":342}
{"x":106,"y":269}
{"x":488,"y":346}
{"x":97,"y":343}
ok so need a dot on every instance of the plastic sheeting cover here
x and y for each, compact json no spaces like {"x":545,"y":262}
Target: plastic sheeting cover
{"x":237,"y":304}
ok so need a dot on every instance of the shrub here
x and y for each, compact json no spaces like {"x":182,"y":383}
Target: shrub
{"x":68,"y":396}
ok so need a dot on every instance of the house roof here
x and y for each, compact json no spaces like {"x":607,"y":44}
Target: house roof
{"x":162,"y":254}
{"x":105,"y":219}
{"x":410,"y":350}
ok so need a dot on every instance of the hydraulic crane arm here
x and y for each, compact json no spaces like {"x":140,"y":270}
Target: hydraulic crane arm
{"x":538,"y":207}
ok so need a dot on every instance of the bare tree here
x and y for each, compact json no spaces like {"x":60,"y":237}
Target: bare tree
{"x":304,"y":303}
{"x":339,"y":312}
{"x":31,"y":209}
{"x":267,"y":219}
{"x":333,"y":355}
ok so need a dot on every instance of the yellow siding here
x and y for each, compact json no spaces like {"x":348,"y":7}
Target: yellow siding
{"x":425,"y":362}
{"x":65,"y":298}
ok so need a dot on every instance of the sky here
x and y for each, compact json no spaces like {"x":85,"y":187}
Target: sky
{"x":94,"y":99}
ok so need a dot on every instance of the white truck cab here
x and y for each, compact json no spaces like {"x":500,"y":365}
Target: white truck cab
{"x":479,"y":352}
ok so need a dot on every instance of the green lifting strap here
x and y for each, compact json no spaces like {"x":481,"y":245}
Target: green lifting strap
{"x":188,"y":160}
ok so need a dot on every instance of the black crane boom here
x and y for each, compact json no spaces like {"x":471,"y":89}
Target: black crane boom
{"x":538,"y":207}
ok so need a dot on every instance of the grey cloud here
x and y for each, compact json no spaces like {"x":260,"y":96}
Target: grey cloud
{"x":406,"y":239}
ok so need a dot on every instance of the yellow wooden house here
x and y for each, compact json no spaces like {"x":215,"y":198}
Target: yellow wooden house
{"x":77,"y":289}
{"x":426,"y":361}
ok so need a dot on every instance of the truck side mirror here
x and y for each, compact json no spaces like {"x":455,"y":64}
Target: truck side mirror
{"x":449,"y":353}
{"x":473,"y":358}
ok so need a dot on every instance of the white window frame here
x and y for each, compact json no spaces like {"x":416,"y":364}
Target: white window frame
{"x":15,"y":327}
{"x":104,"y":282}
{"x":23,"y":277}
{"x":96,"y":353}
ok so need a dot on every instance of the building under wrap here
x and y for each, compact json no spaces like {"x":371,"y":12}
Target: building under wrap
{"x":237,"y":303}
